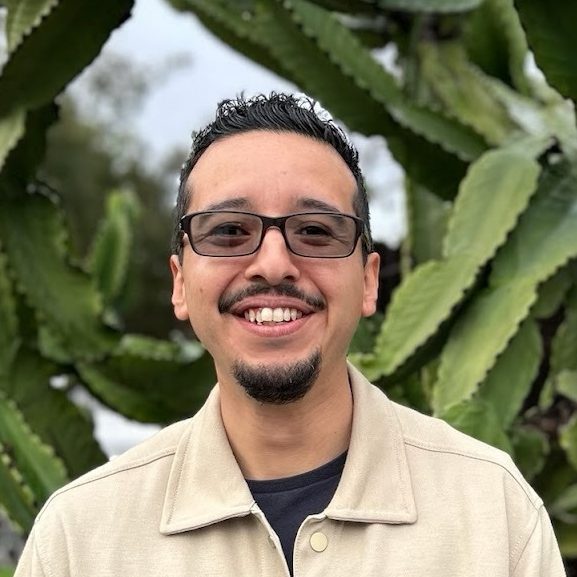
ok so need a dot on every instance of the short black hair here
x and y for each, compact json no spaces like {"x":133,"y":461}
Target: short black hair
{"x":277,"y":112}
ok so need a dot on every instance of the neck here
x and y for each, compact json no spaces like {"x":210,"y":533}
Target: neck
{"x":275,"y":441}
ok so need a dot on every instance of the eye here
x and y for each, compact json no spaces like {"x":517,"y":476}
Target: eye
{"x":314,"y":230}
{"x":229,"y":229}
{"x":313,"y":233}
{"x":228,"y":234}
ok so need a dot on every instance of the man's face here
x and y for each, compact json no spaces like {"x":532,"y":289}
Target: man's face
{"x":273,"y":174}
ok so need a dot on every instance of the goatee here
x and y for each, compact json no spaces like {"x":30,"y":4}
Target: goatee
{"x":278,"y":384}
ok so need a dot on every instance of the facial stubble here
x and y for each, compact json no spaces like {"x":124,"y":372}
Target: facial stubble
{"x":278,"y":384}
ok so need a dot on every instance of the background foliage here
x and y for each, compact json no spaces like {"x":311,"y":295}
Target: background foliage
{"x":481,"y":331}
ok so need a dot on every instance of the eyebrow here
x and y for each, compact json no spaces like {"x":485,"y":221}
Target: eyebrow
{"x":308,"y":203}
{"x":236,"y":203}
{"x":305,"y":203}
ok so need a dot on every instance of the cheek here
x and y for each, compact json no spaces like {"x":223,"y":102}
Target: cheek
{"x":204,"y":287}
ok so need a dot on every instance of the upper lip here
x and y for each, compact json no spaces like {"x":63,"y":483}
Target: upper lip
{"x":262,"y":301}
{"x":259,"y":296}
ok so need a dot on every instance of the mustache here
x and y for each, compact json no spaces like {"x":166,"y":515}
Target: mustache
{"x":226,"y":302}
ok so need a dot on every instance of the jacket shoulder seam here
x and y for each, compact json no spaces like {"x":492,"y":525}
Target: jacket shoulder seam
{"x":520,"y":546}
{"x":536,"y":503}
{"x":109,"y":472}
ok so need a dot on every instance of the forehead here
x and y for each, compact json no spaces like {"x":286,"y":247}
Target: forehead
{"x":272,"y":173}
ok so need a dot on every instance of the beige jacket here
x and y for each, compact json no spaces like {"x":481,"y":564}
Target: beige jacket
{"x":416,"y":498}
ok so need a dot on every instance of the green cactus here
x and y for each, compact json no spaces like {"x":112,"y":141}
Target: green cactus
{"x":57,"y":318}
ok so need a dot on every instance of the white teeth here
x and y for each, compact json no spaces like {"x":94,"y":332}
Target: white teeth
{"x":266,"y":314}
{"x":269,"y":315}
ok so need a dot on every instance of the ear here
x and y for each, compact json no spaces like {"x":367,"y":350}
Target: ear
{"x":371,"y":284}
{"x":178,"y":289}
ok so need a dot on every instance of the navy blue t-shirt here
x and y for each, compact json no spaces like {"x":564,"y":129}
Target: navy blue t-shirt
{"x":287,"y":502}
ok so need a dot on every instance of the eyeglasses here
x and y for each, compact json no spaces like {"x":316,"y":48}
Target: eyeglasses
{"x":235,"y":233}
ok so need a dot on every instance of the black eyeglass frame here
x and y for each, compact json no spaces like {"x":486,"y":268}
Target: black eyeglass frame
{"x":269,"y":222}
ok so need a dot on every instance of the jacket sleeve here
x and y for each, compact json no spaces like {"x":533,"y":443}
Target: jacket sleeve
{"x":541,"y":555}
{"x":30,"y":564}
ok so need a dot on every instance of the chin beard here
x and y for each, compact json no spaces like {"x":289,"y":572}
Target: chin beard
{"x":278,"y":384}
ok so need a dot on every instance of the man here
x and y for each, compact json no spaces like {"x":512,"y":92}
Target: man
{"x":296,"y":464}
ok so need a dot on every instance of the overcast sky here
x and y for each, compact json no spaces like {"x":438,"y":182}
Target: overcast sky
{"x":188,"y":99}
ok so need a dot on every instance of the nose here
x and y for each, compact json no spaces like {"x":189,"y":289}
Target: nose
{"x":272,"y":262}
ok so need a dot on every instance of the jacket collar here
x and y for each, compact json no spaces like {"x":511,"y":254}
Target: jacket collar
{"x":205,"y":484}
{"x":376,"y":482}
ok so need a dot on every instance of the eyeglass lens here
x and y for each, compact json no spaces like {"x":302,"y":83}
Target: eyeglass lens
{"x":224,"y":233}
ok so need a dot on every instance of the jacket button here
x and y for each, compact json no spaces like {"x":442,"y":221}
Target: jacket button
{"x":319,"y":542}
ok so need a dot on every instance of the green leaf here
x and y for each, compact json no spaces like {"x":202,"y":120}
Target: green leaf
{"x":363,"y":340}
{"x":7,"y":571}
{"x":141,"y":346}
{"x":496,"y":42}
{"x":233,"y":24}
{"x":550,"y":32}
{"x":358,"y":64}
{"x":568,"y":440}
{"x":428,"y":216}
{"x":509,"y":381}
{"x":11,"y":131}
{"x":540,"y":116}
{"x":23,"y":16}
{"x":531,"y":448}
{"x":464,"y":90}
{"x":498,"y":186}
{"x":552,"y":294}
{"x":415,"y":315}
{"x":9,"y":337}
{"x":51,"y":414}
{"x":17,"y":499}
{"x":567,"y":538}
{"x":410,"y":392}
{"x":564,"y":344}
{"x":555,"y":477}
{"x":478,"y":419}
{"x":316,"y":73}
{"x":566,"y":384}
{"x":63,"y":297}
{"x":547,"y":395}
{"x":423,"y":357}
{"x":479,"y":336}
{"x":429,"y":5}
{"x":150,"y":386}
{"x":349,"y":6}
{"x":415,"y":391}
{"x":565,"y":506}
{"x":23,"y":160}
{"x":41,"y":470}
{"x":52,"y":54}
{"x":546,"y":237}
{"x":108,"y":260}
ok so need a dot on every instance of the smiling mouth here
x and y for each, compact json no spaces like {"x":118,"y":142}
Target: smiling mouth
{"x":268,"y":315}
